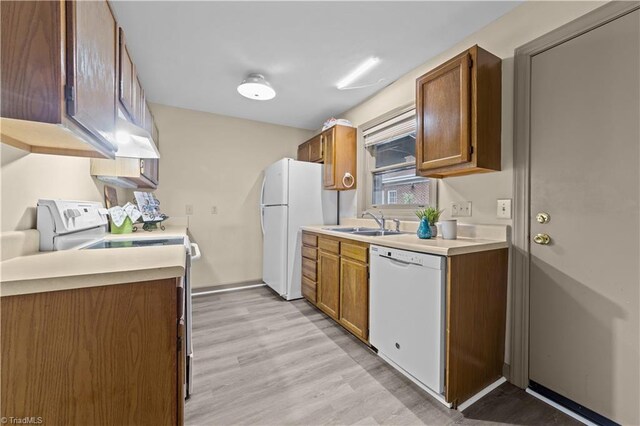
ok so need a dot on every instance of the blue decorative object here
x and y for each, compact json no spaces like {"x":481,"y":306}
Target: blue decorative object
{"x":424,"y":231}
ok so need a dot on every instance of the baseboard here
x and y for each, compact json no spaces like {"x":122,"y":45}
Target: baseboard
{"x":567,"y":406}
{"x":475,"y":398}
{"x":201,"y":291}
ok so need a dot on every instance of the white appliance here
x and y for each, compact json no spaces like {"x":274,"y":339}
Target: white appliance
{"x":80,"y":225}
{"x":292,"y":196}
{"x":407,"y":312}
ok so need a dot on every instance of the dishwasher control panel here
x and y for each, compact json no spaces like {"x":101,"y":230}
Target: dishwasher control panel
{"x":409,"y":257}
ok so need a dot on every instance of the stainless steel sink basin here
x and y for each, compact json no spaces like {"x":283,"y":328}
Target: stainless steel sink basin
{"x":376,"y":233}
{"x":351,"y":230}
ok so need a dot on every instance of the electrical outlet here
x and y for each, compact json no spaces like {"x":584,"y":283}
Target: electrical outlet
{"x":188,"y":209}
{"x":504,"y":209}
{"x":461,"y":209}
{"x":214,"y":210}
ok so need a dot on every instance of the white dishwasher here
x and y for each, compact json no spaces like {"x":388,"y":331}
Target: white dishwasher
{"x":406,"y":312}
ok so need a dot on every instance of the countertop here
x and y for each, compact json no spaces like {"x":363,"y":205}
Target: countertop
{"x":63,"y":270}
{"x":409,"y":241}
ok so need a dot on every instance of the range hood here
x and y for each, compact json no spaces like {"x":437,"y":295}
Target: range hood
{"x":133,"y":141}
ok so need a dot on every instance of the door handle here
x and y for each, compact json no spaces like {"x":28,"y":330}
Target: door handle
{"x":542,"y":239}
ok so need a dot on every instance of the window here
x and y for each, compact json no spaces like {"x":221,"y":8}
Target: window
{"x":390,"y":149}
{"x":392,"y":196}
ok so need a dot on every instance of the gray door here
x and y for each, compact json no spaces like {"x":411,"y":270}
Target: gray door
{"x":585,"y":160}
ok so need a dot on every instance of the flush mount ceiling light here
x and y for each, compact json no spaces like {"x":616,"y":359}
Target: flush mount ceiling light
{"x":357,"y":73}
{"x":256,"y":87}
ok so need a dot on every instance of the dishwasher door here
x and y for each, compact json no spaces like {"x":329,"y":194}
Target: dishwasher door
{"x":406,"y":312}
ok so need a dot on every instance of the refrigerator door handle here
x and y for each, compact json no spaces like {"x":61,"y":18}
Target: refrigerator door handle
{"x":264,"y":181}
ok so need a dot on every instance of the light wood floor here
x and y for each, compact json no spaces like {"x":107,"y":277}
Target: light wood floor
{"x":260,"y":360}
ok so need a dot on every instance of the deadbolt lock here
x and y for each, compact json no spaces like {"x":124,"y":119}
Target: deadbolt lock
{"x":542,"y":239}
{"x":543,"y":217}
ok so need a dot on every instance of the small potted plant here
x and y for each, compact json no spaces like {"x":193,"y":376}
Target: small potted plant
{"x":430,"y":215}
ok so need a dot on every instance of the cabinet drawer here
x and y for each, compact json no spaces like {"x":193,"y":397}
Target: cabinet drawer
{"x":309,"y":239}
{"x":310,"y":252}
{"x":309,"y":269}
{"x":309,"y":289}
{"x":355,"y":252}
{"x":332,"y":246}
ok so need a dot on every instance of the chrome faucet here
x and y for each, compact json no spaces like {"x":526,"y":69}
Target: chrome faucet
{"x":381,"y":221}
{"x":397,"y":222}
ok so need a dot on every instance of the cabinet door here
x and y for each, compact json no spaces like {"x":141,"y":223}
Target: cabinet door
{"x":125,"y":83}
{"x":328,"y":291}
{"x":148,"y":119}
{"x":91,"y":68}
{"x":328,"y":140}
{"x":138,"y":100}
{"x":149,"y":169}
{"x":303,"y":152}
{"x":354,"y":297}
{"x":316,"y":149}
{"x":443,"y":136}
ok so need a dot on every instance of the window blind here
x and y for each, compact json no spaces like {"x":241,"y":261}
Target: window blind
{"x":394,"y":128}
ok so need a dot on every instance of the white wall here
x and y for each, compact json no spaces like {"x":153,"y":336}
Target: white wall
{"x":28,"y":177}
{"x":523,"y":24}
{"x":213,"y":160}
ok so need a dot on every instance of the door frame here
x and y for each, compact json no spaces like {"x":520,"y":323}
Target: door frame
{"x":519,"y":369}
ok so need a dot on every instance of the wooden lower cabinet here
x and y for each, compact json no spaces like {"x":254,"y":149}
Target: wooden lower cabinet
{"x":328,"y":298}
{"x":109,"y":355}
{"x":354,"y":297}
{"x":342,"y":287}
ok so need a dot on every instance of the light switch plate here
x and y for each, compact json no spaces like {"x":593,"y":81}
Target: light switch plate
{"x":504,"y":208}
{"x":188,"y":209}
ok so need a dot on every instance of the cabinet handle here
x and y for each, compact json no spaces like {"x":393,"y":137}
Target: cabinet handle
{"x":141,"y":167}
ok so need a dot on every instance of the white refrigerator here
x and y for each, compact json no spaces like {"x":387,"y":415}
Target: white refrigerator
{"x":292,"y":196}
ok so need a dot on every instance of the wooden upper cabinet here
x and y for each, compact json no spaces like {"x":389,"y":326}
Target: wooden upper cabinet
{"x":458,"y":110}
{"x":148,"y":119}
{"x":91,"y":68}
{"x":336,"y":149}
{"x":125,"y":84}
{"x":329,"y":172}
{"x":316,"y":149}
{"x":339,"y":144}
{"x":58,"y":72}
{"x":303,"y":152}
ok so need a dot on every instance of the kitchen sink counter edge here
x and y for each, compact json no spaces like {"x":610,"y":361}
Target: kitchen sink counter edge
{"x":71,"y":269}
{"x":411,"y":242}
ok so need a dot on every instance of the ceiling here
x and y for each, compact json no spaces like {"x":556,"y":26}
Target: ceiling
{"x":194,"y":54}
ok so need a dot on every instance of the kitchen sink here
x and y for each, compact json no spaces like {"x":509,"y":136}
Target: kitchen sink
{"x":352,"y":230}
{"x":376,"y":233}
